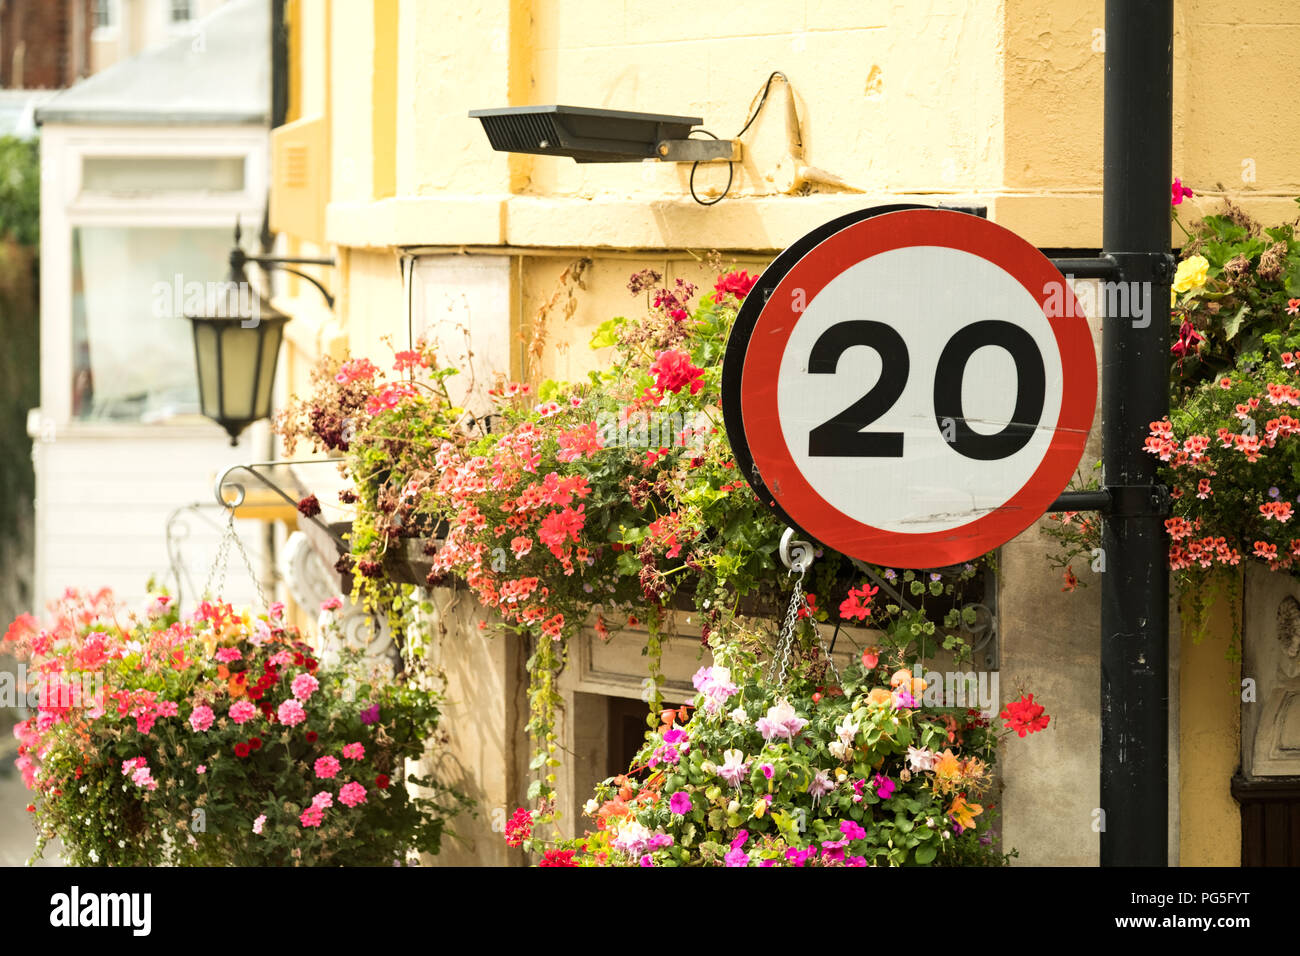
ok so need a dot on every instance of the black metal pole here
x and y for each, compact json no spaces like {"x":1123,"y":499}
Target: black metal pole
{"x":1135,"y":391}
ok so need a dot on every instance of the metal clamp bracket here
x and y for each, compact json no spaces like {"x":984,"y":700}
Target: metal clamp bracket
{"x":698,"y":150}
{"x":1139,"y":501}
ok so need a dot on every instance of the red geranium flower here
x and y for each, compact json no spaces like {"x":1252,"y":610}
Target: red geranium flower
{"x":1024,"y":716}
{"x":857,"y":604}
{"x":558,"y":858}
{"x":309,"y":507}
{"x":241,"y":749}
{"x":311,"y":736}
{"x":382,"y":781}
{"x":674,"y":371}
{"x":519,"y":827}
{"x":737,"y":283}
{"x":255,"y":743}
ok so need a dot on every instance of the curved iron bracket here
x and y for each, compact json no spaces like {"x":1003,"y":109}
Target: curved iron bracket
{"x":223,"y":483}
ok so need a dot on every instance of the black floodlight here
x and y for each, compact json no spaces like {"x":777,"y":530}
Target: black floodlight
{"x":599,"y":136}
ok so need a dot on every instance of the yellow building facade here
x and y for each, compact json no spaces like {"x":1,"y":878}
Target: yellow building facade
{"x":995,"y":103}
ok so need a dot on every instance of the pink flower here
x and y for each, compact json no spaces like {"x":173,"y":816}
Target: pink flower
{"x":409,"y":360}
{"x":352,"y":794}
{"x":227,"y":654}
{"x":852,"y":830}
{"x":304,"y":685}
{"x":201,"y":768}
{"x":736,"y":857}
{"x":1179,"y":192}
{"x":312,"y":816}
{"x":583,"y":440}
{"x":323,"y":800}
{"x":242,"y":711}
{"x":331,"y":604}
{"x":201,"y":718}
{"x":291,"y":713}
{"x":261,"y":822}
{"x":355,"y":369}
{"x":326,"y":767}
{"x":680,"y":803}
{"x":354,"y":751}
{"x":141,"y":776}
{"x":884,"y":787}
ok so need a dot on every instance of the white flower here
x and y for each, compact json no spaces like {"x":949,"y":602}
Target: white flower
{"x":847,"y":729}
{"x":921,"y":758}
{"x":739,"y":715}
{"x":632,"y":838}
{"x":734,"y":767}
{"x":840,"y":750}
{"x":591,"y":806}
{"x":781,"y":721}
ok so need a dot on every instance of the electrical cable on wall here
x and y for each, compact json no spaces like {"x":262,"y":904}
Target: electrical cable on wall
{"x":755,"y":110}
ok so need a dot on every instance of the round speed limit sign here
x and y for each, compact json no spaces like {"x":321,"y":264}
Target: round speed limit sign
{"x":910,"y":386}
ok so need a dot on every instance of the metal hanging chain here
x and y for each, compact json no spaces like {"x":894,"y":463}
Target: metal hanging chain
{"x":785,"y":644}
{"x":222,"y":560}
{"x":797,"y":556}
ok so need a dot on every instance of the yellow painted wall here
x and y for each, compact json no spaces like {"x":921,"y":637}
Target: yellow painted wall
{"x":1210,"y":742}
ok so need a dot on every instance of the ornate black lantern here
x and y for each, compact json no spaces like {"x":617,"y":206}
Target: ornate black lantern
{"x":237,"y":343}
{"x":236,"y":350}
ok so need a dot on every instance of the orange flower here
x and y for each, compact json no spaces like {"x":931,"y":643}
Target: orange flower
{"x":963,"y":814}
{"x":947,"y":766}
{"x":880,"y":696}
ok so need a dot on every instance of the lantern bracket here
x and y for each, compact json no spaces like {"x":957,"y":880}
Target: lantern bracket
{"x":239,"y":259}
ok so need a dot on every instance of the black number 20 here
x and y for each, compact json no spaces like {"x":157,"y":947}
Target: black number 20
{"x":842,"y":435}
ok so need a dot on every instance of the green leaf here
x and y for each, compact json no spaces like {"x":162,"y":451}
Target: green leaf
{"x":926,"y":855}
{"x":606,"y":333}
{"x":1233,"y":325}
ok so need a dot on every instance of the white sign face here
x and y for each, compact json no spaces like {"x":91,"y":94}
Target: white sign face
{"x":911,"y":391}
{"x":926,"y":295}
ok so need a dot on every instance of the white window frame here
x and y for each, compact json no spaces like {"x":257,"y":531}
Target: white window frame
{"x":109,"y":31}
{"x":65,"y":207}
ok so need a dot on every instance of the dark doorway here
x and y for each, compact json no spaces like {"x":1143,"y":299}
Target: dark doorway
{"x":1270,"y":821}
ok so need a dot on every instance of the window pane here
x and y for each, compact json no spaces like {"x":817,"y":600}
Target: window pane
{"x":181,"y":11}
{"x":133,"y":175}
{"x":133,"y":350}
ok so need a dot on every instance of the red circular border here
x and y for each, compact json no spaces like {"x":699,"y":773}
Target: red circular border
{"x":772,"y":330}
